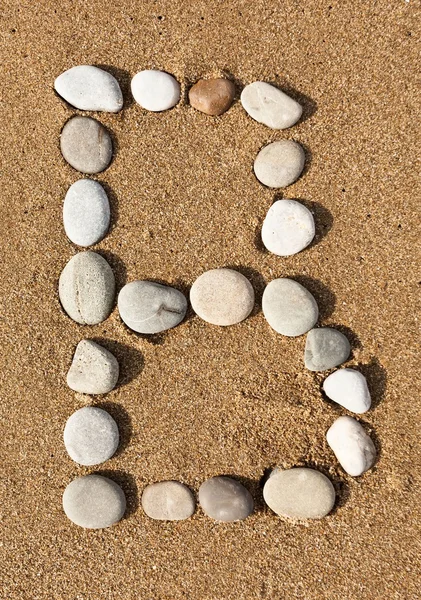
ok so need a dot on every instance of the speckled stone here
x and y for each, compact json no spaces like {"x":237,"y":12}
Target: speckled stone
{"x":288,"y":307}
{"x":225,"y":499}
{"x":325,"y":349}
{"x":168,"y":501}
{"x":348,"y":388}
{"x":352,"y":446}
{"x":212,"y":96}
{"x":288,"y":228}
{"x":94,"y":370}
{"x":86,"y":212}
{"x":268,"y":105}
{"x":279,"y":164}
{"x":90,"y":88}
{"x":86,"y":145}
{"x":155,"y":90}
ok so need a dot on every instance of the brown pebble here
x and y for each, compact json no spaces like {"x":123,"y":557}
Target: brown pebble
{"x":212,"y":96}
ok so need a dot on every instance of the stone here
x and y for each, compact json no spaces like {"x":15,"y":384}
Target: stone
{"x":352,"y":446}
{"x":94,"y":502}
{"x":288,"y":228}
{"x":299,"y":493}
{"x":155,"y":90}
{"x":94,"y":370}
{"x":90,"y":88}
{"x":90,"y":436}
{"x":268,"y":105}
{"x":222,"y":297}
{"x":212,"y":96}
{"x":86,"y":212}
{"x":325,"y":349}
{"x":279,"y":164}
{"x":86,"y":145}
{"x":348,"y":388}
{"x":289,"y":308}
{"x":87,"y":288}
{"x":168,"y":501}
{"x":149,"y":307}
{"x":225,"y":499}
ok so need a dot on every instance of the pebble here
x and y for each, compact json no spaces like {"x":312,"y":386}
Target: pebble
{"x":91,"y":436}
{"x":94,"y":502}
{"x":168,"y":501}
{"x":348,"y":388}
{"x":212,"y":96}
{"x":268,"y":105}
{"x":225,"y":499}
{"x":148,"y":307}
{"x":155,"y":90}
{"x":222,"y":297}
{"x":353,"y":448}
{"x":288,"y":228}
{"x":87,"y":288}
{"x":299,"y":493}
{"x":90,"y":88}
{"x":279,"y":164}
{"x":325,"y":349}
{"x":288,"y":307}
{"x":86,"y":145}
{"x":94,"y":370}
{"x":86,"y":212}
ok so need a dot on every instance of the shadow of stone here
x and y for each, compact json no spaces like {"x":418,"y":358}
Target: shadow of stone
{"x":128,"y":484}
{"x":257,"y":281}
{"x":323,"y":219}
{"x":309,"y":105}
{"x":114,"y":204}
{"x":376,"y":376}
{"x":124,"y":79}
{"x":123,"y":420}
{"x":118,"y":267}
{"x":325,"y":298}
{"x":130,"y":359}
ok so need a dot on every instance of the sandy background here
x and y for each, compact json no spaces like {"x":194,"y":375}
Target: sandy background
{"x":200,"y":400}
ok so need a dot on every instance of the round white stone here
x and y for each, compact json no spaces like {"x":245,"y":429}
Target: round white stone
{"x":279,"y":164}
{"x":155,"y":90}
{"x":288,"y":307}
{"x":353,"y":448}
{"x":94,"y":370}
{"x":348,"y":388}
{"x":86,"y":212}
{"x":168,"y":501}
{"x":288,"y":228}
{"x":270,"y":106}
{"x":90,"y":88}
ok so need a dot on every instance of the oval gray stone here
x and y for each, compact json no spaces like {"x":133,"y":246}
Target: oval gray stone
{"x":94,"y":370}
{"x":288,"y":307}
{"x":268,"y":105}
{"x":89,"y":88}
{"x":225,"y":499}
{"x":325,"y":349}
{"x":279,"y":164}
{"x":94,"y":502}
{"x":86,"y":145}
{"x":86,"y":212}
{"x":168,"y":501}
{"x":288,"y":228}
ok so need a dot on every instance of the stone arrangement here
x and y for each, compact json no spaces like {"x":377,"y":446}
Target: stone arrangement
{"x":221,"y":297}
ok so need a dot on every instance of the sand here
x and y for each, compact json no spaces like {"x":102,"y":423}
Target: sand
{"x":199,"y":400}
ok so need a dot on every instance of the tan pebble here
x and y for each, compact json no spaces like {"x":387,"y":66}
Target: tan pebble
{"x":212,"y":96}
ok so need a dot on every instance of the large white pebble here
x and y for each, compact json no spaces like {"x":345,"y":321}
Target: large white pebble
{"x":288,"y":307}
{"x":155,"y":90}
{"x":288,"y":228}
{"x":279,"y":164}
{"x":270,"y":106}
{"x":94,"y":370}
{"x":348,"y":388}
{"x":90,"y":88}
{"x":352,"y":446}
{"x":168,"y":501}
{"x":86,"y":212}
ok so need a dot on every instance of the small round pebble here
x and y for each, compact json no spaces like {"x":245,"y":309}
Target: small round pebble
{"x":288,"y":228}
{"x":348,"y":388}
{"x":225,"y":499}
{"x":270,"y":106}
{"x":352,"y":446}
{"x":279,"y":164}
{"x":212,"y":96}
{"x":289,"y":308}
{"x":155,"y":90}
{"x":94,"y":502}
{"x":325,"y":349}
{"x":86,"y":145}
{"x":299,"y":493}
{"x":87,"y":288}
{"x":90,"y":88}
{"x":168,"y":501}
{"x":86,"y":212}
{"x":94,"y":370}
{"x":91,"y":436}
{"x":222,"y":297}
{"x":149,"y":307}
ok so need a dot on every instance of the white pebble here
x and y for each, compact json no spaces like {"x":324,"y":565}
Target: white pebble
{"x":353,"y":448}
{"x":348,"y":388}
{"x":168,"y":501}
{"x":90,"y":88}
{"x":155,"y":90}
{"x":279,"y":164}
{"x":86,"y":212}
{"x":268,"y":105}
{"x":288,"y":307}
{"x":288,"y":228}
{"x":94,"y":370}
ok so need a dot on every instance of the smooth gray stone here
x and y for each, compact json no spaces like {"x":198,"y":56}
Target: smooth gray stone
{"x":90,"y":88}
{"x":225,"y":499}
{"x":325,"y":349}
{"x":279,"y":164}
{"x":86,"y":145}
{"x":94,"y":370}
{"x":299,"y":493}
{"x":86,"y":212}
{"x":352,"y":446}
{"x":148,"y":307}
{"x":94,"y":502}
{"x":87,"y":288}
{"x":168,"y":501}
{"x":288,"y":307}
{"x":268,"y":105}
{"x":90,"y":436}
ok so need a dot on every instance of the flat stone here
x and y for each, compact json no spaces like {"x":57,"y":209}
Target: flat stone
{"x":212,"y":96}
{"x":268,"y":105}
{"x":348,"y":388}
{"x":86,"y":212}
{"x":279,"y":164}
{"x":289,"y":308}
{"x":225,"y":499}
{"x":94,"y":370}
{"x":90,"y":88}
{"x":87,"y":288}
{"x":86,"y":145}
{"x":149,"y":307}
{"x":325,"y":349}
{"x":94,"y":502}
{"x":222,"y":297}
{"x":352,"y":446}
{"x":168,"y":501}
{"x":155,"y":90}
{"x":288,"y":228}
{"x":91,"y":436}
{"x":299,"y":493}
